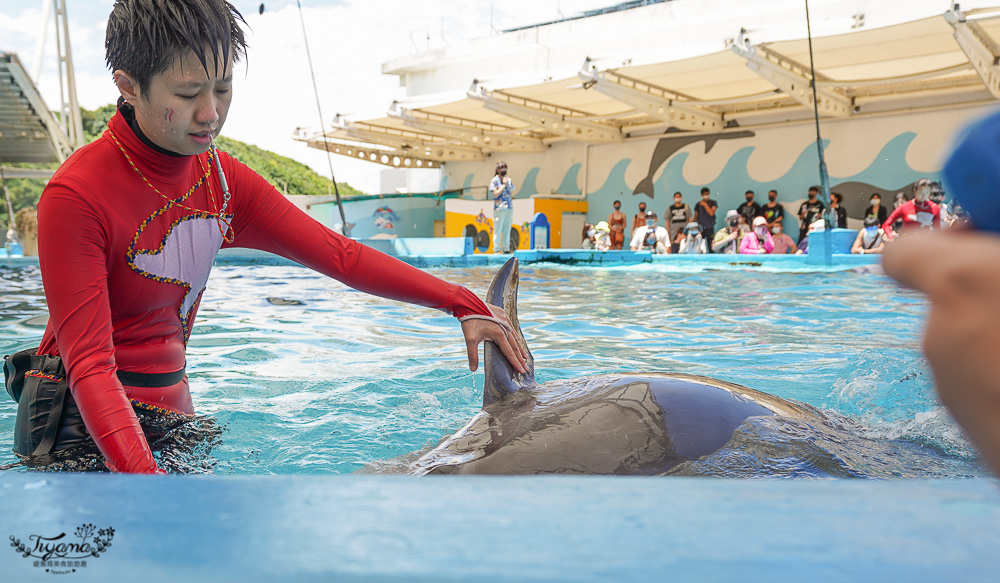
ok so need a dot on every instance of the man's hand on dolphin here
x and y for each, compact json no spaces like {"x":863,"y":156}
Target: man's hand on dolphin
{"x":503,"y":335}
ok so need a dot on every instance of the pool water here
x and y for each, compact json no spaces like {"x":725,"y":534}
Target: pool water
{"x":306,"y":376}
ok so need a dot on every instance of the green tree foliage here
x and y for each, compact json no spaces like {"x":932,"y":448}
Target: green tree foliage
{"x":287,"y":175}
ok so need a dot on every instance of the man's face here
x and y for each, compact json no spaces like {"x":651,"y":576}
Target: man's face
{"x":677,"y":200}
{"x":185,"y":106}
{"x":772,"y":196}
{"x":749,"y":197}
{"x":704,"y":196}
{"x":812,"y":194}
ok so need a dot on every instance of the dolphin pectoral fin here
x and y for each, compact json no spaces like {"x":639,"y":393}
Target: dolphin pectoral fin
{"x":501,"y":378}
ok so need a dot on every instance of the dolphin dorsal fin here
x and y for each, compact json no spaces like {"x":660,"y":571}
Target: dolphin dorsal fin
{"x":501,"y":378}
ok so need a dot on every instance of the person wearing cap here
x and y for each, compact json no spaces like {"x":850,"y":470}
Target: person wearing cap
{"x":727,"y":239}
{"x":650,"y":236}
{"x":678,"y":215}
{"x":870,"y":239}
{"x":758,"y":240}
{"x":919,"y":213}
{"x":602,"y":237}
{"x":783,"y":244}
{"x":691,"y":240}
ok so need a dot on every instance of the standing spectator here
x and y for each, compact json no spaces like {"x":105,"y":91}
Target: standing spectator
{"x":917,"y":213}
{"x":727,"y":240}
{"x":809,"y":211}
{"x":782,"y":242}
{"x":758,"y":240}
{"x":617,"y":221}
{"x":704,"y":214}
{"x":650,"y":236}
{"x":870,"y":239}
{"x":678,"y":215}
{"x":639,"y":220}
{"x":692,"y":241}
{"x":749,"y":210}
{"x":772,"y":212}
{"x":502,"y":188}
{"x":875,"y":209}
{"x":838,"y":214}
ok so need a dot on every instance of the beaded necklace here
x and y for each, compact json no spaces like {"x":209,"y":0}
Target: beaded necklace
{"x":224,"y":226}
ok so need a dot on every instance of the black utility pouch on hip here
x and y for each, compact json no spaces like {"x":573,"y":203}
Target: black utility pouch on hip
{"x":47,"y":417}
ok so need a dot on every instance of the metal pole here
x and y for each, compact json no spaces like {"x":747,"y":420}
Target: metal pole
{"x":344,"y":228}
{"x":823,"y":176}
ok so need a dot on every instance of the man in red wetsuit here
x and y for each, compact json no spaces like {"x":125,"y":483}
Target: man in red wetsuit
{"x":917,"y":213}
{"x":130,"y":225}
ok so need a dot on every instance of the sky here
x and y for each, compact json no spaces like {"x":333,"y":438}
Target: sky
{"x":273,"y":94}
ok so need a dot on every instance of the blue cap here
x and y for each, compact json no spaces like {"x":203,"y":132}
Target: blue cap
{"x":972,"y":172}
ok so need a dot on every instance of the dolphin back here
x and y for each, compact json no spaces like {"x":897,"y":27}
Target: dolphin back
{"x":501,"y":378}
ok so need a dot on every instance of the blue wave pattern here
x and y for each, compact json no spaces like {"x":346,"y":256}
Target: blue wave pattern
{"x":347,"y":382}
{"x":887,"y":171}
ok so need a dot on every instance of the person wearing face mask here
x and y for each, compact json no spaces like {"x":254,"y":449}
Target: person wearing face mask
{"x":727,"y":239}
{"x":783,"y":244}
{"x":602,"y":236}
{"x":749,"y":210}
{"x":617,"y":222}
{"x":772,"y":212}
{"x":589,"y":237}
{"x":919,"y":213}
{"x":838,"y":214}
{"x":502,"y":188}
{"x":678,"y":215}
{"x":692,"y":241}
{"x":875,"y":209}
{"x":704,"y":214}
{"x":809,"y":211}
{"x":757,"y":241}
{"x":870,"y":239}
{"x":650,"y":236}
{"x":639,"y":220}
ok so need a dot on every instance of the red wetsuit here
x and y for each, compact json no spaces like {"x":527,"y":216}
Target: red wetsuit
{"x":123,"y":272}
{"x":914,"y":214}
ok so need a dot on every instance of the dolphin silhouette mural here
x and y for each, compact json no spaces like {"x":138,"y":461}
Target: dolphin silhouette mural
{"x":626,"y":423}
{"x":667,"y":147}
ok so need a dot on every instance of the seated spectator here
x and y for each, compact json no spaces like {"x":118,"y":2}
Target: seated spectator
{"x":817,"y":225}
{"x":589,"y":237}
{"x":602,"y":236}
{"x":870,"y":239}
{"x":651,"y":236}
{"x":758,"y":240}
{"x":692,"y":241}
{"x":727,"y":239}
{"x":783,"y":244}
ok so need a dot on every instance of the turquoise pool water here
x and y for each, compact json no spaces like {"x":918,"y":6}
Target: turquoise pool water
{"x":307,"y":376}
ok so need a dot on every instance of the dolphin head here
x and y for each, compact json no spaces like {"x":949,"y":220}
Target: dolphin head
{"x":501,"y":378}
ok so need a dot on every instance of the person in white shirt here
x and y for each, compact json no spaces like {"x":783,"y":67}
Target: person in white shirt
{"x":651,"y":236}
{"x":693,"y":242}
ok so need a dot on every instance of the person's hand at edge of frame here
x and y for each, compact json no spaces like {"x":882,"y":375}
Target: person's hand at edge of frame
{"x":959,"y":271}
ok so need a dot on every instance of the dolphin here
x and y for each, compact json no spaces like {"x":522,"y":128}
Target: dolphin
{"x":667,"y":147}
{"x":622,"y":424}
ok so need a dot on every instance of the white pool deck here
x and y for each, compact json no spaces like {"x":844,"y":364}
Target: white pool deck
{"x":394,"y":528}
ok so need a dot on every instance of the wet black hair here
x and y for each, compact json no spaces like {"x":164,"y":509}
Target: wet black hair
{"x":146,"y":37}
